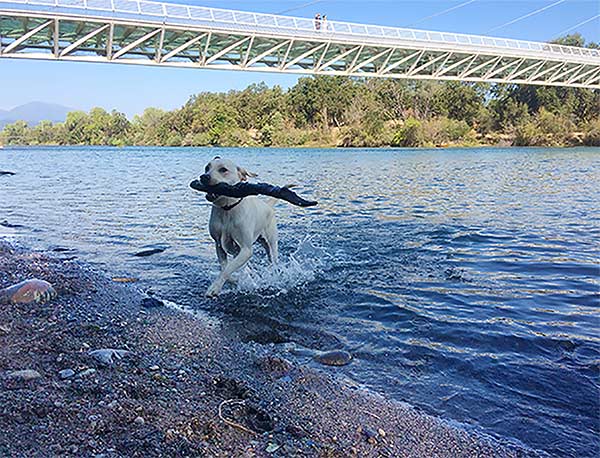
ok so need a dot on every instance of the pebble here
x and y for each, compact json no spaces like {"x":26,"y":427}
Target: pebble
{"x":151,"y":302}
{"x":87,"y":373}
{"x":26,"y":375}
{"x":370,"y":434}
{"x":66,"y":373}
{"x":334,"y":358}
{"x":106,"y":355}
{"x":154,"y":368}
{"x":273,"y":448}
{"x":113,"y":404}
{"x":4,"y":330}
{"x":125,"y":279}
{"x":139,"y":421}
{"x":381,"y":432}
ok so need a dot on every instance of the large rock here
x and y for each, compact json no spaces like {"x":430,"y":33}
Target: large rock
{"x":334,"y":358}
{"x":28,"y":291}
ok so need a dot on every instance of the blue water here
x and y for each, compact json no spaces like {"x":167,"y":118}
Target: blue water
{"x":465,"y":282}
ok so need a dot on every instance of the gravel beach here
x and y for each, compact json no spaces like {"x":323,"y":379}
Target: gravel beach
{"x":94,"y":373}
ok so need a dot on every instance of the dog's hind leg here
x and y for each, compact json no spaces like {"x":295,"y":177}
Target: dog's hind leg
{"x":272,"y":242}
{"x":221,"y":255}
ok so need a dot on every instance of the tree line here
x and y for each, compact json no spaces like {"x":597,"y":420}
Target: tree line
{"x":344,"y":111}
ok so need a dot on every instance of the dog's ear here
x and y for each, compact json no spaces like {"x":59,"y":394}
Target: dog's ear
{"x":244,"y":174}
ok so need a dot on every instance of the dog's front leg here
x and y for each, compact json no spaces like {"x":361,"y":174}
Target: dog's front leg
{"x":233,"y":265}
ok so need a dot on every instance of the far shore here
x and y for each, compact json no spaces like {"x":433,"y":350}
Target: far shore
{"x":307,"y":148}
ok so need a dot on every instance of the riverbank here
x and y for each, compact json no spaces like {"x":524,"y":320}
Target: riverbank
{"x":186,"y":387}
{"x":437,"y":133}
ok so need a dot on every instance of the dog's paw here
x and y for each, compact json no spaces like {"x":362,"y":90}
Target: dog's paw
{"x":213,"y":291}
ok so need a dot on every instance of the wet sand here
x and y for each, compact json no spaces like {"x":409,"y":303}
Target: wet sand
{"x":185,"y":387}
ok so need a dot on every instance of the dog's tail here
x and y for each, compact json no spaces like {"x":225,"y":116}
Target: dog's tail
{"x":273,"y":200}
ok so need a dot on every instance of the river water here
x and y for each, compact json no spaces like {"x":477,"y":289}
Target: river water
{"x":464,"y":282}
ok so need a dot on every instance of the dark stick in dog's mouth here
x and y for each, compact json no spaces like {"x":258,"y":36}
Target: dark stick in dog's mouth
{"x":244,"y":189}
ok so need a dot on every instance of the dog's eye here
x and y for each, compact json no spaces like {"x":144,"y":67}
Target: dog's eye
{"x":206,"y":169}
{"x":222,"y":170}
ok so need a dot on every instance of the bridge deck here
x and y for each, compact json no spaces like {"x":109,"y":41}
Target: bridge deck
{"x":151,"y":33}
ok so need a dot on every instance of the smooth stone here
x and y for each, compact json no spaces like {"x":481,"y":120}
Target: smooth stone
{"x":334,"y":358}
{"x":139,"y":421}
{"x":106,"y":355}
{"x":113,"y":404}
{"x":66,"y":373}
{"x":154,"y":368}
{"x":273,"y":448}
{"x":151,"y":302}
{"x":370,"y":435}
{"x":144,"y":253}
{"x":6,"y":172}
{"x":86,"y":373}
{"x":28,"y":291}
{"x":125,"y":279}
{"x":26,"y":374}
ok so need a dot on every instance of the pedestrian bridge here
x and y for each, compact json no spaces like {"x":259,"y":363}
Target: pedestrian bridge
{"x":177,"y":35}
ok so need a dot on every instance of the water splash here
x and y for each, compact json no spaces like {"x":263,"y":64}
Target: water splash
{"x":297,"y":269}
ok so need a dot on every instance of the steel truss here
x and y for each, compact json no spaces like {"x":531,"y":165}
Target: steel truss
{"x":31,"y":31}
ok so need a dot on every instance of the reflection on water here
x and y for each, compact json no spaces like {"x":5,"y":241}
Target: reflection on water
{"x":464,"y":281}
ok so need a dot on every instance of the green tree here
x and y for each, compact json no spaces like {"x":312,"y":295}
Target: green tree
{"x":76,"y":126}
{"x":321,"y":100}
{"x":462,"y":101}
{"x":16,"y":133}
{"x":44,"y":133}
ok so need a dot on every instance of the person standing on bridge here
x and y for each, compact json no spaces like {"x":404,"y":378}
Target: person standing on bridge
{"x":324,"y":23}
{"x":317,"y":22}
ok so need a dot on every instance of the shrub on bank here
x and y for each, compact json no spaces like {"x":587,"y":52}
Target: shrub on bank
{"x":544,"y":129}
{"x":440,"y":131}
{"x":591,"y":136}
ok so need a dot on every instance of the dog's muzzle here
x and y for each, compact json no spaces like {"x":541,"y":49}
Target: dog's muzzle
{"x":205,"y":179}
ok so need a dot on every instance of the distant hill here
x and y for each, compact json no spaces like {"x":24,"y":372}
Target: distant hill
{"x":34,"y":112}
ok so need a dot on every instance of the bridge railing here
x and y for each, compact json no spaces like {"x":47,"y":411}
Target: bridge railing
{"x":181,"y":14}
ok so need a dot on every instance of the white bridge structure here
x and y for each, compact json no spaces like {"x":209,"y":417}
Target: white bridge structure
{"x":177,"y":35}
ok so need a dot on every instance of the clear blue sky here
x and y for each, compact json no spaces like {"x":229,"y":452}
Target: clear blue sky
{"x":132,"y":88}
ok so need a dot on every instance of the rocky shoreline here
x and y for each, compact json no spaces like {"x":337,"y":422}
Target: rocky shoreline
{"x":93,"y":373}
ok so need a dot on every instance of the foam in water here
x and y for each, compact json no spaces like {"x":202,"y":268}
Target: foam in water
{"x":299,"y":268}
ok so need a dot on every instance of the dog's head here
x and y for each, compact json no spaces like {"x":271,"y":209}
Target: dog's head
{"x":221,"y":170}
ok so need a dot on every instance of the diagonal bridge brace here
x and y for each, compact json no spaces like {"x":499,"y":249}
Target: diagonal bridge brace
{"x":26,"y":37}
{"x":183,"y":47}
{"x":72,"y":47}
{"x":135,"y":44}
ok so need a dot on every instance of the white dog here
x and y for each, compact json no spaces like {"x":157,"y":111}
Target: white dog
{"x":235,"y":224}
